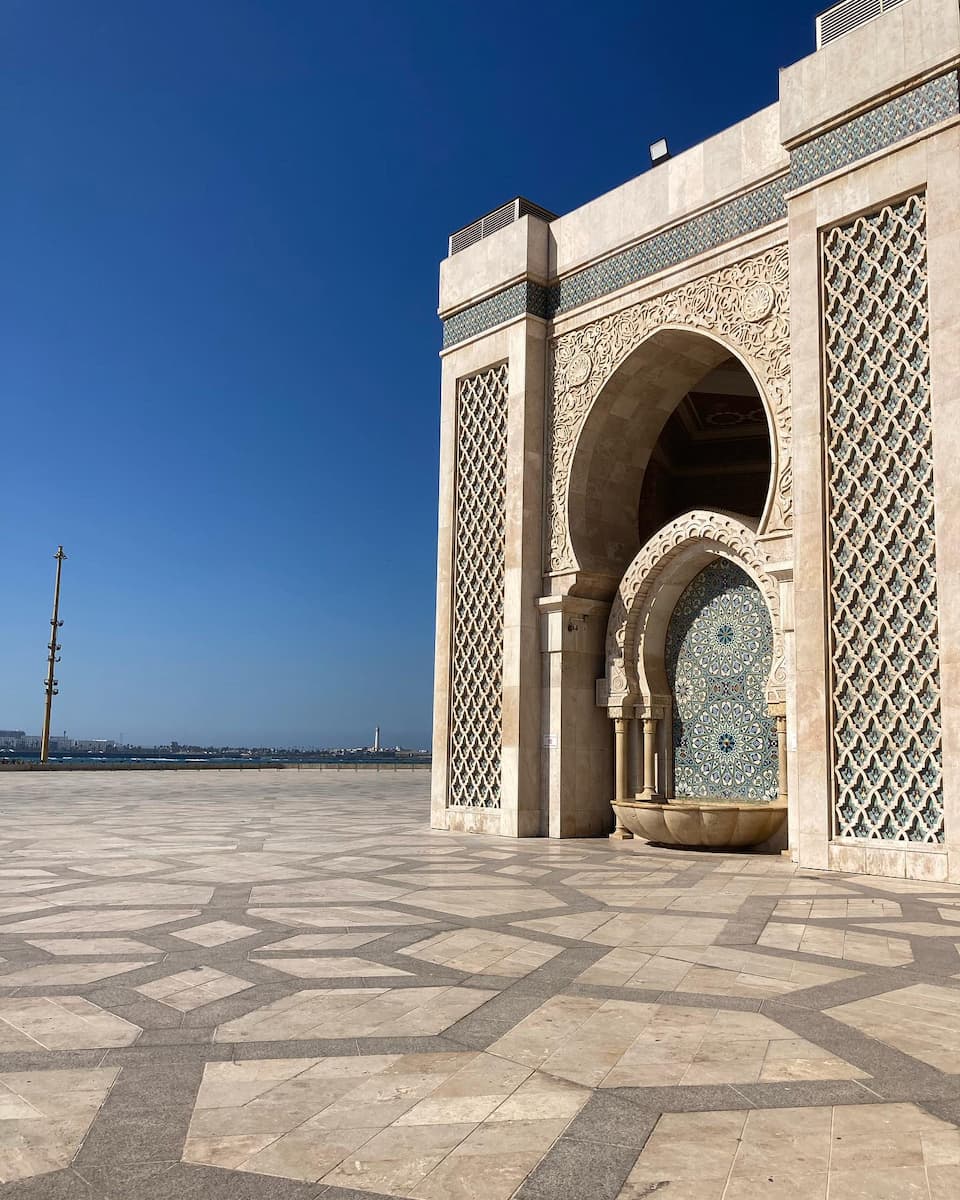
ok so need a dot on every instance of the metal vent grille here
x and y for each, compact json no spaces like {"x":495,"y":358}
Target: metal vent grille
{"x":840,"y":19}
{"x":500,"y":218}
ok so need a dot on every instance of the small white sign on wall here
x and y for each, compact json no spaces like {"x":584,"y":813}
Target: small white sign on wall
{"x":551,"y":741}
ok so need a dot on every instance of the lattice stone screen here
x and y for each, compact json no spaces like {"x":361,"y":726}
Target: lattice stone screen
{"x":476,"y":692}
{"x":884,"y":639}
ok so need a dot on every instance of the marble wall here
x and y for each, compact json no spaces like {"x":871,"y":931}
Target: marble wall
{"x":602,"y":320}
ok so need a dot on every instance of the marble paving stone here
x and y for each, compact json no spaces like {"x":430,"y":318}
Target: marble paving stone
{"x":655,"y":932}
{"x":716,"y":970}
{"x":322,"y":891}
{"x":621,"y":1043}
{"x":478,"y":951}
{"x":414,"y":1124}
{"x":606,"y":987}
{"x":44,"y":1116}
{"x":447,"y":876}
{"x":22,"y":887}
{"x":241,"y":867}
{"x":80,"y":947}
{"x":858,"y":1152}
{"x":65,"y":974}
{"x":140,"y":892}
{"x":355,"y":1012}
{"x":101,"y":921}
{"x":575,"y":925}
{"x":60,"y":1023}
{"x":813,"y":910}
{"x":338,"y":916}
{"x":321,"y":941}
{"x":214,"y":933}
{"x":193,"y":988}
{"x":358,"y":862}
{"x":922,"y":1021}
{"x":852,"y":944}
{"x":490,"y":902}
{"x":11,"y":907}
{"x":122,"y":867}
{"x":916,"y":929}
{"x":342,"y":967}
{"x":915,"y":886}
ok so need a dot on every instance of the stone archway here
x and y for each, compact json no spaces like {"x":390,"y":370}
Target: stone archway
{"x":617,"y":380}
{"x":635,"y":682}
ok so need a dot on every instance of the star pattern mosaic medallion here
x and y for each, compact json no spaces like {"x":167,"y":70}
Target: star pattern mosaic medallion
{"x":718,"y":655}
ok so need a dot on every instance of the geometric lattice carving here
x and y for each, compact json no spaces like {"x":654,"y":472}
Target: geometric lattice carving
{"x":883,"y":593}
{"x":718,"y":653}
{"x":478,"y":581}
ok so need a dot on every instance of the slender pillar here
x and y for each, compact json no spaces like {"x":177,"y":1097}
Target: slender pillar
{"x":620,"y":748}
{"x":782,"y":754}
{"x":635,"y":779}
{"x":649,"y":759}
{"x":621,"y":770}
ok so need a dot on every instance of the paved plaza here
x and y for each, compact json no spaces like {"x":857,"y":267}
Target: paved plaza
{"x":282,"y":985}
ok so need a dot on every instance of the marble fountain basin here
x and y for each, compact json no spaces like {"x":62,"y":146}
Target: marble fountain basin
{"x":692,"y":822}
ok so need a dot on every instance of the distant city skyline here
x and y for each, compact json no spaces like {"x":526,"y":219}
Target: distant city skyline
{"x":22,"y":739}
{"x":220,"y":336}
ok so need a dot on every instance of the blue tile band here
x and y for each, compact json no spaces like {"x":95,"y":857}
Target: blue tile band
{"x":924,"y":106}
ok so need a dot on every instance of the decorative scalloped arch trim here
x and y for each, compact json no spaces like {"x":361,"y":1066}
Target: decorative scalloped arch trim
{"x":719,"y":533}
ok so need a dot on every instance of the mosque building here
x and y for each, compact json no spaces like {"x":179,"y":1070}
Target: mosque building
{"x":699,"y":536}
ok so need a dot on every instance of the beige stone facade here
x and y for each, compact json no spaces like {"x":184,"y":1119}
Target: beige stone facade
{"x":730,"y":386}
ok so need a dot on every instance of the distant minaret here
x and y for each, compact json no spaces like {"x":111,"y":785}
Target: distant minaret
{"x":376,"y":740}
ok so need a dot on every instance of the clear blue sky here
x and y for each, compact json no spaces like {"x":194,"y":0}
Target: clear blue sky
{"x":222,"y":221}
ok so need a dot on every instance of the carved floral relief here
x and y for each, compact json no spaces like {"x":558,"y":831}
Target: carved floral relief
{"x":745,"y":305}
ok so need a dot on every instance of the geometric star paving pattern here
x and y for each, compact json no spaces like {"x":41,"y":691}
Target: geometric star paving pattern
{"x":282,"y":985}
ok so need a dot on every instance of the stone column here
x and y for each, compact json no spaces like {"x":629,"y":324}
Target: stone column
{"x":621,"y":767}
{"x":578,"y":778}
{"x":782,"y":754}
{"x":635,"y":779}
{"x":621,"y":770}
{"x":649,"y":759}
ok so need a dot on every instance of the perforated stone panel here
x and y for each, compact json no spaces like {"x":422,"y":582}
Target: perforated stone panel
{"x":718,"y":656}
{"x":480,"y":523}
{"x":883,"y":589}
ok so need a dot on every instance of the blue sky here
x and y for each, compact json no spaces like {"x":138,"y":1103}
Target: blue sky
{"x":222,"y":222}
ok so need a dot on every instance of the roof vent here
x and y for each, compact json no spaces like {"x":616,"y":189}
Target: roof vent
{"x":498,"y":219}
{"x":840,"y":19}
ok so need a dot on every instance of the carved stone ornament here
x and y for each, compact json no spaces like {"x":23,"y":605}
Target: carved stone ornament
{"x":578,"y":371}
{"x":746,"y":306}
{"x":758,"y":302}
{"x":727,"y":536}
